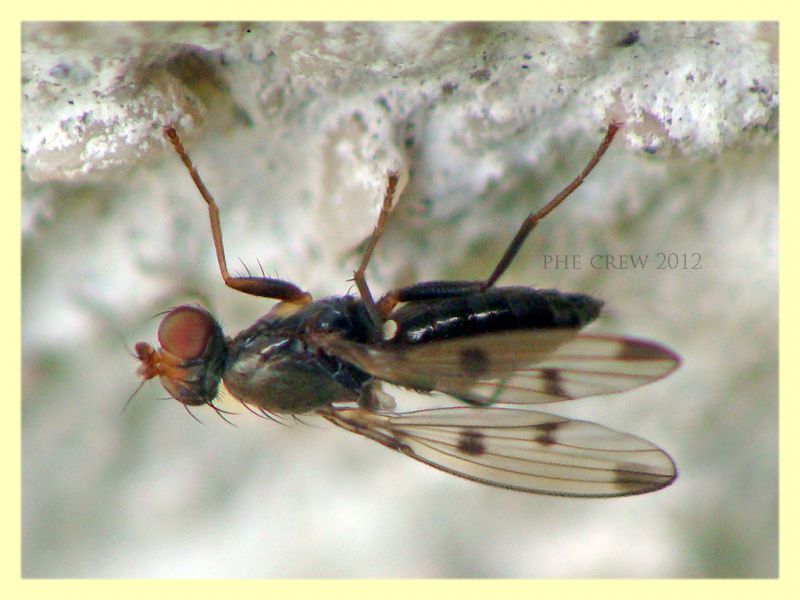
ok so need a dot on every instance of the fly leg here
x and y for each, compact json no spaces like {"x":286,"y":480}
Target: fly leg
{"x":359,"y":276}
{"x":428,"y":290}
{"x":533,"y":219}
{"x":435,"y":290}
{"x":265,"y":287}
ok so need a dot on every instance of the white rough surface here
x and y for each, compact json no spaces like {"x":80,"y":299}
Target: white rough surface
{"x":293,"y":127}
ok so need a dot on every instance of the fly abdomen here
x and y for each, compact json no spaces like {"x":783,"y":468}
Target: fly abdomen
{"x":492,"y":311}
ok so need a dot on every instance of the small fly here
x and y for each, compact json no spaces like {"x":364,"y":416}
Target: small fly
{"x":487,"y":346}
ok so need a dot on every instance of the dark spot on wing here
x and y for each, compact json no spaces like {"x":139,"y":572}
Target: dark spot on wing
{"x":474,"y":361}
{"x":635,"y":478}
{"x":552,"y":383}
{"x":472,"y":401}
{"x":544,"y":433}
{"x":471,"y":442}
{"x":633,"y":350}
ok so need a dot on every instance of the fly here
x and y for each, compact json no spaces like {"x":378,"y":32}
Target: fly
{"x":493,"y":348}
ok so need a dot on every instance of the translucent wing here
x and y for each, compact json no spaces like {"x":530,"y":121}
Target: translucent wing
{"x":516,"y":367}
{"x":518,"y":449}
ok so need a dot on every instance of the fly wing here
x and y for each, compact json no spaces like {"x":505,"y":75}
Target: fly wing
{"x":518,"y":449}
{"x":515,"y":367}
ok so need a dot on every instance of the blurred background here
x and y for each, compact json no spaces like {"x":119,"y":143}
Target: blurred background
{"x":293,"y":127}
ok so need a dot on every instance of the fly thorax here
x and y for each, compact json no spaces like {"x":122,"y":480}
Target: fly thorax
{"x":279,"y":372}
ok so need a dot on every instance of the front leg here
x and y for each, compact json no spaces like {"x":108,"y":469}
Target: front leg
{"x":265,"y":287}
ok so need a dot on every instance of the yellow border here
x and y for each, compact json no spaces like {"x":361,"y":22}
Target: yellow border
{"x":405,"y":10}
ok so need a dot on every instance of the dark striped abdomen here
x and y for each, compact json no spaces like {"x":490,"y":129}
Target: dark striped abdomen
{"x":492,"y":311}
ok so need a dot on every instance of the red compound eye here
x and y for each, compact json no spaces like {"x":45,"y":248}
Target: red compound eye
{"x":184,"y":332}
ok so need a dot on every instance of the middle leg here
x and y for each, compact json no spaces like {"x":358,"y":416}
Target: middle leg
{"x":359,"y":277}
